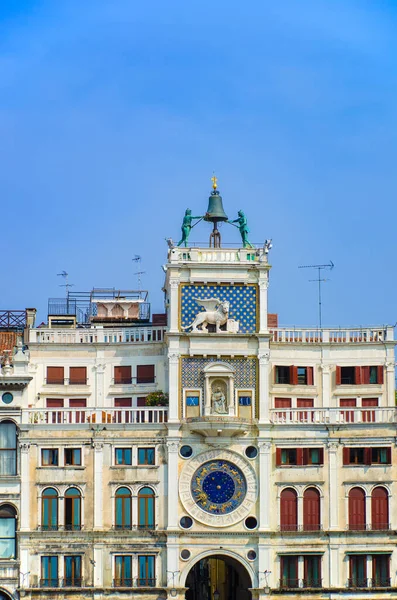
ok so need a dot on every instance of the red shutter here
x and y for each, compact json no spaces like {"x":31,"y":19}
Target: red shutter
{"x":367,"y":456}
{"x":78,"y":375}
{"x":357,"y":375}
{"x":293,"y":375}
{"x":288,"y":510}
{"x":299,"y":456}
{"x":388,"y":455}
{"x":77,"y":402}
{"x":123,"y":402}
{"x":346,"y":456}
{"x":122,"y":374}
{"x":357,"y":509}
{"x":278,"y":457}
{"x":321,"y":456}
{"x":305,"y":456}
{"x":55,"y":375}
{"x":141,"y":401}
{"x":310,"y":378}
{"x":54,"y":402}
{"x":311,"y":510}
{"x":338,"y":376}
{"x":380,"y":374}
{"x":365,"y":375}
{"x":380,"y":508}
{"x":145,"y":374}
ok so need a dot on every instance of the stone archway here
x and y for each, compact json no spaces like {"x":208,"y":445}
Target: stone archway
{"x":5,"y":595}
{"x":219,"y":577}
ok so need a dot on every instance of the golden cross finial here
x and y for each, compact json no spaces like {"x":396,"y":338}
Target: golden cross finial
{"x":214,"y":180}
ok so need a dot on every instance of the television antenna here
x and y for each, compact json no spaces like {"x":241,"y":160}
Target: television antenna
{"x":66,"y":285}
{"x":138,"y":259}
{"x":319,"y":280}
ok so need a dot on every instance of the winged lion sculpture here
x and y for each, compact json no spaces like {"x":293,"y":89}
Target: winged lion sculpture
{"x":216,"y":313}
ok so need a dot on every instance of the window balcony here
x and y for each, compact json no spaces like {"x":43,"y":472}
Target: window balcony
{"x":51,"y":582}
{"x":145,"y":582}
{"x":300,"y":528}
{"x":133,"y":380}
{"x":75,"y":582}
{"x":380,"y":582}
{"x":358,"y":582}
{"x":369,"y":527}
{"x":356,"y":335}
{"x":295,"y":584}
{"x":125,"y":582}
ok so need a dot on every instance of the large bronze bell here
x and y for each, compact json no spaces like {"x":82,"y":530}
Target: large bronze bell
{"x":215,"y":210}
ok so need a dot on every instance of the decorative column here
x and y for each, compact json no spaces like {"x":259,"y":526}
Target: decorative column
{"x":264,"y":479}
{"x":98,"y":484}
{"x":263,"y":285}
{"x":172,"y":521}
{"x":173,"y":362}
{"x":333,"y":485}
{"x":333,"y":575}
{"x":390,"y":370}
{"x":24,"y":524}
{"x":326,"y":386}
{"x":98,"y":567}
{"x":174,"y":305}
{"x":264,"y":403}
{"x":99,"y":392}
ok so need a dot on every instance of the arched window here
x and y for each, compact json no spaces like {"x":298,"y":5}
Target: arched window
{"x":357,"y":509}
{"x":72,"y":509}
{"x":7,"y":531}
{"x":288,"y":510}
{"x":123,"y":508}
{"x":311,"y":510}
{"x":49,"y":516}
{"x":380,"y":508}
{"x":8,"y":448}
{"x":146,"y":508}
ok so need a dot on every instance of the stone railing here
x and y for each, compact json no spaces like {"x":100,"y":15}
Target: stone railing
{"x":292,"y":335}
{"x":218,"y":255}
{"x":89,"y":416}
{"x":333,"y":416}
{"x":130,"y":335}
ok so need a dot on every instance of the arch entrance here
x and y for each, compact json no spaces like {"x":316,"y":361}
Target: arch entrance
{"x":218,"y":577}
{"x":4,"y":596}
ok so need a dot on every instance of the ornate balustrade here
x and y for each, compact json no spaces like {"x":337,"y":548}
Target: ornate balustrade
{"x":333,"y":416}
{"x":125,"y":335}
{"x":292,"y":335}
{"x":89,"y":416}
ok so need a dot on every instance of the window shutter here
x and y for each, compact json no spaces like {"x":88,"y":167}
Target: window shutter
{"x":357,"y":375}
{"x":141,"y":401}
{"x":299,"y":456}
{"x":78,"y":375}
{"x":122,"y":374}
{"x":293,"y":375}
{"x":77,"y":402}
{"x":338,"y":376}
{"x":321,"y":455}
{"x":278,"y":457}
{"x":123,"y":402}
{"x":310,"y":378}
{"x":55,"y":374}
{"x":305,"y":456}
{"x":388,"y":455}
{"x":346,"y":456}
{"x":367,"y":456}
{"x":145,"y":374}
{"x":54,"y":402}
{"x":365,"y":375}
{"x":275,"y":374}
{"x":380,"y":374}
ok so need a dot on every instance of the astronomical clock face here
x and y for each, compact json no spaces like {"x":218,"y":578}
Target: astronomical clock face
{"x":218,"y":488}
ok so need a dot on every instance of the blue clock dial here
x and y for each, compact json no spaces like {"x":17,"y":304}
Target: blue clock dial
{"x":218,"y":487}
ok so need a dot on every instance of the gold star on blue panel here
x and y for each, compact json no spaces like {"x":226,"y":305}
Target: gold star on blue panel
{"x":242,"y":300}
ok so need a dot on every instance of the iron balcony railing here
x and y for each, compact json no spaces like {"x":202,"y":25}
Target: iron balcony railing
{"x":133,"y":380}
{"x":56,"y":582}
{"x":299,"y":528}
{"x":364,"y":582}
{"x":293,"y":584}
{"x":369,"y":527}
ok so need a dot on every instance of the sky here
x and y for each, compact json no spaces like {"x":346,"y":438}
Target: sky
{"x":114,"y":114}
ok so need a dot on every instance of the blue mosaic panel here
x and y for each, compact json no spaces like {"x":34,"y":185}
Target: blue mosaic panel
{"x":242,"y":300}
{"x":193,"y":376}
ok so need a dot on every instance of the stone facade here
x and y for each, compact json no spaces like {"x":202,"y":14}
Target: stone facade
{"x":268,"y":435}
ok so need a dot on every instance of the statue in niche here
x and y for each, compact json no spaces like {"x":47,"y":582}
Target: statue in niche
{"x":218,"y":400}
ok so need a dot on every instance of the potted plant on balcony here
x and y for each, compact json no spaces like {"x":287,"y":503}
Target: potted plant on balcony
{"x":159,"y":398}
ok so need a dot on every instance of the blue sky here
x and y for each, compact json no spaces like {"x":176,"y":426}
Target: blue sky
{"x":113,"y":116}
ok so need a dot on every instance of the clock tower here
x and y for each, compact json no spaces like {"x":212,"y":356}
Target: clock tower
{"x":218,"y":357}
